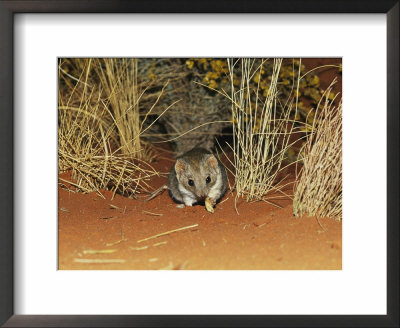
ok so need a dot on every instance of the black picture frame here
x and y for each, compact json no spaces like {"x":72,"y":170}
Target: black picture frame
{"x":10,"y":7}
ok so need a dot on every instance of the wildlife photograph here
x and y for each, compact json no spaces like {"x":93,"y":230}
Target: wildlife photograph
{"x":199,"y":163}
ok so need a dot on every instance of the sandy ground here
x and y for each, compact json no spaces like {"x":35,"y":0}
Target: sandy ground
{"x":155,"y":234}
{"x":124,"y":233}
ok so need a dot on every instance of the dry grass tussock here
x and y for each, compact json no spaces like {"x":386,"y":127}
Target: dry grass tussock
{"x":100,"y":126}
{"x":318,"y":189}
{"x":262,"y":127}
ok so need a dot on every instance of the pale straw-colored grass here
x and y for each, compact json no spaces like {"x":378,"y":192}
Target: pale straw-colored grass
{"x":118,"y":79}
{"x":100,"y":128}
{"x":261,"y":131}
{"x":318,"y":187}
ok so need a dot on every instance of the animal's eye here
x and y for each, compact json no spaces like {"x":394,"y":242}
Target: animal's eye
{"x":208,"y":180}
{"x":191,"y":182}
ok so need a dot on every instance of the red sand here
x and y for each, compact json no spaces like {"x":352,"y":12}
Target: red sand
{"x":262,"y":236}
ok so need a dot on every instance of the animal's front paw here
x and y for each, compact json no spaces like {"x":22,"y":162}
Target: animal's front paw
{"x":188,"y":201}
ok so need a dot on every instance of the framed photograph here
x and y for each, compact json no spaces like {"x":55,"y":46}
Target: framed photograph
{"x":182,"y":164}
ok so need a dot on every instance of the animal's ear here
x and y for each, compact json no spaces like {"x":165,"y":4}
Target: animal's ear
{"x":212,"y":161}
{"x":180,"y":166}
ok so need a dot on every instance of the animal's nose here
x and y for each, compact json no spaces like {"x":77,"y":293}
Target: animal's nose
{"x":202,"y":196}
